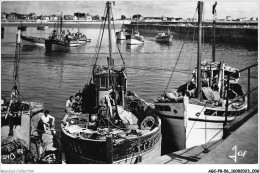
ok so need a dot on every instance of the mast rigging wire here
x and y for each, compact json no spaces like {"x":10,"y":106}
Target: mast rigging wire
{"x":179,"y":54}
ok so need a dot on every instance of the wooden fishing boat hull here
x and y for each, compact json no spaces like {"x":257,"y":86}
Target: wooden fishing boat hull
{"x":86,"y":151}
{"x":32,"y":41}
{"x":166,"y":38}
{"x":204,"y":124}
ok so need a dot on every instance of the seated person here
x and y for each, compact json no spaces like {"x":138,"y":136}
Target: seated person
{"x":69,"y":104}
{"x":48,"y":120}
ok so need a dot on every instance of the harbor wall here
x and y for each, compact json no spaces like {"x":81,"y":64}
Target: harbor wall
{"x":226,"y":34}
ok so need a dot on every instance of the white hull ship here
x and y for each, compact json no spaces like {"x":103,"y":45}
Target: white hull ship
{"x":196,"y":114}
{"x":134,"y":39}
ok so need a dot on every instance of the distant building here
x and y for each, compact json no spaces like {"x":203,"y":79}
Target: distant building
{"x":252,"y":19}
{"x":32,"y":16}
{"x":164,"y":18}
{"x":240,"y":19}
{"x":245,"y":18}
{"x":47,"y":18}
{"x":138,"y":16}
{"x":89,"y":18}
{"x":3,"y":16}
{"x":179,"y":19}
{"x":54,"y":17}
{"x":68,"y":17}
{"x":228,"y":18}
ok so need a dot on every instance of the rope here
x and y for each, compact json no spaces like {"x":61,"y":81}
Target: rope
{"x":98,"y":45}
{"x":117,"y":44}
{"x":195,"y":122}
{"x":180,"y":53}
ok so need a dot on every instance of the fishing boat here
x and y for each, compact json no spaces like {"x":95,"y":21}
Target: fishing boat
{"x":106,"y":123}
{"x":121,"y":35}
{"x":22,"y":141}
{"x":162,"y":37}
{"x":32,"y":41}
{"x":195,"y":113}
{"x":59,"y":41}
{"x":134,"y":38}
{"x":42,"y":27}
{"x":80,"y":37}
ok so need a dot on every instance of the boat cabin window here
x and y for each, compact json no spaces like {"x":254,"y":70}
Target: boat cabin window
{"x":103,"y":82}
{"x":163,"y":108}
{"x":233,"y":76}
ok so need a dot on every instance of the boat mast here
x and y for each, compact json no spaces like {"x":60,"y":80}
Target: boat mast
{"x":214,"y":25}
{"x":137,"y":22}
{"x":78,"y":22}
{"x":61,"y":23}
{"x":15,"y":89}
{"x":110,"y":62}
{"x":200,"y":9}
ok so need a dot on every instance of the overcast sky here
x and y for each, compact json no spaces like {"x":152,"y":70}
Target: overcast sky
{"x":173,"y":8}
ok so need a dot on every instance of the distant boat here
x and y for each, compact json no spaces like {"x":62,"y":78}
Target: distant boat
{"x":121,"y":35}
{"x":32,"y":41}
{"x":134,"y":38}
{"x":60,"y":41}
{"x":81,"y":38}
{"x":162,"y":37}
{"x":43,"y":27}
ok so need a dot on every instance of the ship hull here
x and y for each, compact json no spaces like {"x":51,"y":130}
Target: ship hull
{"x":202,"y":124}
{"x":163,"y":38}
{"x":87,"y":151}
{"x":134,"y":41}
{"x":32,"y":41}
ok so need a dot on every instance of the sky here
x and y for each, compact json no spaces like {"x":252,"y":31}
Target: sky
{"x":147,"y":8}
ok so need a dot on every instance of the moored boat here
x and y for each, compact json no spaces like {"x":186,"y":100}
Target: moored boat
{"x":162,"y":37}
{"x":43,"y":27}
{"x":60,"y":41}
{"x":32,"y":41}
{"x":106,"y":123}
{"x":195,"y":113}
{"x":134,"y":38}
{"x":22,"y":140}
{"x":121,"y":35}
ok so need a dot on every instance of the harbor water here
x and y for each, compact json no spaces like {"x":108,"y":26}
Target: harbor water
{"x":51,"y":79}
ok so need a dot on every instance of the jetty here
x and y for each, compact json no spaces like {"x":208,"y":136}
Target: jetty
{"x":225,"y":32}
{"x":243,"y":139}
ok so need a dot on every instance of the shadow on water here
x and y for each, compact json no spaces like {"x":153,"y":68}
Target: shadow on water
{"x":29,"y":48}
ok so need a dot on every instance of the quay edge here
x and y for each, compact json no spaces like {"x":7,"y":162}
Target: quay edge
{"x":244,"y":138}
{"x":226,"y":34}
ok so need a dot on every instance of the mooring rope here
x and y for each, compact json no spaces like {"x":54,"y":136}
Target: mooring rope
{"x":179,"y":54}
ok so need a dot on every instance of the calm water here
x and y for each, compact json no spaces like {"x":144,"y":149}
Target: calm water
{"x":52,"y":79}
